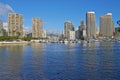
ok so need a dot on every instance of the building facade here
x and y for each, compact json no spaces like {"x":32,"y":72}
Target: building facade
{"x":1,"y":27}
{"x":71,"y":35}
{"x":44,"y":34}
{"x":68,"y":26}
{"x":82,"y":30}
{"x":106,"y":25}
{"x":77,"y":34}
{"x":15,"y":24}
{"x":37,"y":31}
{"x":91,"y":24}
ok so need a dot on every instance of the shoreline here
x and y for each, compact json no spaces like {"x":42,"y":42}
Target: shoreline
{"x":29,"y":42}
{"x":15,"y":42}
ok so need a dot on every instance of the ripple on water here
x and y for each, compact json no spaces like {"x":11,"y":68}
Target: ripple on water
{"x":93,"y":61}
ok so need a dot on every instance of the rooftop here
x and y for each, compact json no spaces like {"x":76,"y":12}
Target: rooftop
{"x":91,"y":12}
{"x":109,"y":14}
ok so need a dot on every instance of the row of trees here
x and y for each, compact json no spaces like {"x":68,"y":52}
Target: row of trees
{"x":16,"y":38}
{"x":10,"y":38}
{"x":5,"y":36}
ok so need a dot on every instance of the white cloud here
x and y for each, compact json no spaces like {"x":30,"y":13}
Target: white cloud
{"x":5,"y":9}
{"x":9,"y":8}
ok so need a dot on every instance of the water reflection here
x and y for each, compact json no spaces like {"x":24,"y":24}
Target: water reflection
{"x":34,"y":61}
{"x":13,"y":61}
{"x":90,"y":62}
{"x":70,"y":65}
{"x":94,"y":61}
{"x":38,"y":61}
{"x":70,"y":44}
{"x":107,"y":61}
{"x":37,"y":47}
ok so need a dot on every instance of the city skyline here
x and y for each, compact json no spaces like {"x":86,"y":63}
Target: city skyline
{"x":55,"y":13}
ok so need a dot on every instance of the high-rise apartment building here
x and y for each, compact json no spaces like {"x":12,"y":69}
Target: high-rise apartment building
{"x":68,"y":26}
{"x":82,"y":26}
{"x":106,"y":25}
{"x":1,"y":27}
{"x":37,"y":31}
{"x":91,"y":25}
{"x":15,"y":24}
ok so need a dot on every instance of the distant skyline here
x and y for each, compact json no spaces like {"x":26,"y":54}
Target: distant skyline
{"x":55,"y":12}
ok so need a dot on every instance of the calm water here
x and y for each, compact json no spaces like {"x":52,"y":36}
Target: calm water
{"x":93,"y":61}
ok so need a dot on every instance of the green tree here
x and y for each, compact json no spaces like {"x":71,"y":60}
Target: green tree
{"x":118,"y":29}
{"x":3,"y":31}
{"x":18,"y":34}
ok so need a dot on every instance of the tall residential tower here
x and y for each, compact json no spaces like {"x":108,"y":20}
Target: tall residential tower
{"x":37,"y":31}
{"x":68,"y":26}
{"x":91,"y":25}
{"x":15,"y":24}
{"x":106,"y":25}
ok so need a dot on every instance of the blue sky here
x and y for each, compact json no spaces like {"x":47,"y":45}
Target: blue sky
{"x":55,"y":12}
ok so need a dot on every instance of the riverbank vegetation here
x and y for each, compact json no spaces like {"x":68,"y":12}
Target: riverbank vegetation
{"x":9,"y":38}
